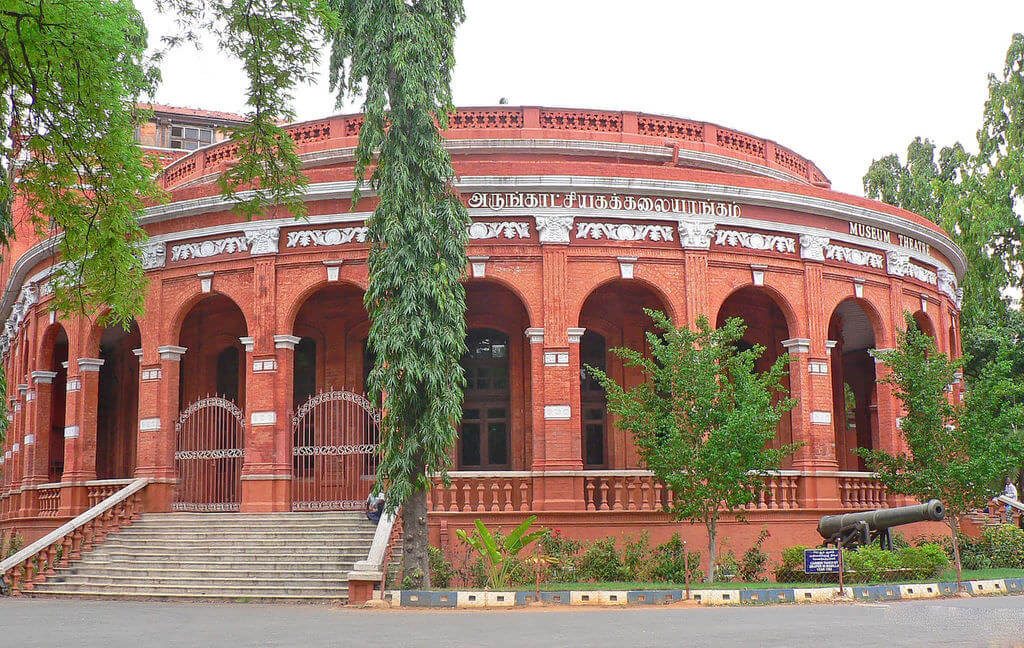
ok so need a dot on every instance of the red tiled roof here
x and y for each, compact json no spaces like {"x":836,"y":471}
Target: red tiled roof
{"x":194,"y":112}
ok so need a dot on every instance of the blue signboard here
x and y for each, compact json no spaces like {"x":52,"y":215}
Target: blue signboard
{"x":821,"y":561}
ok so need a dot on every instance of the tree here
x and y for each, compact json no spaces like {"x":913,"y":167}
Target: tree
{"x":399,"y":55}
{"x":704,"y":418}
{"x":956,"y":452}
{"x":975,"y":197}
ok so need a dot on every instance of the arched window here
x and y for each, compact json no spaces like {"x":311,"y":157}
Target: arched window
{"x":228,"y":364}
{"x":483,"y":437}
{"x":304,"y":372}
{"x":592,"y":400}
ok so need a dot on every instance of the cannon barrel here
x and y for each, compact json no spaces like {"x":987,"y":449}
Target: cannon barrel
{"x":881,"y":519}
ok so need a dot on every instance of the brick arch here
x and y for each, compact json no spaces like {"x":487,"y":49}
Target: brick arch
{"x":854,"y":379}
{"x":203,"y":367}
{"x":96,"y":327}
{"x":776,"y":296}
{"x":192,"y":299}
{"x":511,"y":287}
{"x":305,"y":292}
{"x":666,"y":305}
{"x":926,"y":325}
{"x":46,"y":343}
{"x":874,"y":317}
{"x":330,"y":314}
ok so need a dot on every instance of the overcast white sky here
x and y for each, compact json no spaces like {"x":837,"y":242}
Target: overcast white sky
{"x":841,"y":85}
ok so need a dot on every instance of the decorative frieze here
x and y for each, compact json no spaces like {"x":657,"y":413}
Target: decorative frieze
{"x":262,"y":240}
{"x":623,"y":232}
{"x":206,"y":249}
{"x":483,"y":230}
{"x":553,"y":229}
{"x":755,"y":241}
{"x":327,"y":237}
{"x":947,"y":283}
{"x":813,"y":247}
{"x":695,"y":234}
{"x":853,"y":256}
{"x":153,"y":255}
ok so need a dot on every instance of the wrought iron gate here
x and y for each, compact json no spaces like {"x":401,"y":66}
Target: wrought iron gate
{"x":335,"y":455}
{"x":209,"y":455}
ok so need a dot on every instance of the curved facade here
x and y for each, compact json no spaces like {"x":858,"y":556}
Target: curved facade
{"x":240,"y":386}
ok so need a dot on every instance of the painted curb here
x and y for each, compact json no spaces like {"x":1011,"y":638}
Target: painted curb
{"x":607,"y":598}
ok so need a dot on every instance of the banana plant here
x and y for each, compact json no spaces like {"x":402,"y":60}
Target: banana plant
{"x":498,"y":552}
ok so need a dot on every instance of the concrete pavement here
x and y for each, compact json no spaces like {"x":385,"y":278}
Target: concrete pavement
{"x":32,"y":623}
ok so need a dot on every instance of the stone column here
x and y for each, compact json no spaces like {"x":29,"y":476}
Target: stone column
{"x":165,"y":380}
{"x":42,"y":382}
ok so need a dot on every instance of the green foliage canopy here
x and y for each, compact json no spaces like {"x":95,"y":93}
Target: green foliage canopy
{"x":704,"y":419}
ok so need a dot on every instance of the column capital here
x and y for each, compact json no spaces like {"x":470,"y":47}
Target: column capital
{"x":535,"y":334}
{"x":797,"y":345}
{"x":575,"y":333}
{"x":43,"y":377}
{"x":286,"y":341}
{"x":248,"y":342}
{"x":171,"y":352}
{"x":90,"y":364}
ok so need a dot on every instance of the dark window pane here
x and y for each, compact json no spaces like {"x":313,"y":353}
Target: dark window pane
{"x":304,"y":378}
{"x":175,"y":131}
{"x":496,"y":413}
{"x":497,"y":444}
{"x":594,"y":445}
{"x":228,"y":367}
{"x":471,"y":414}
{"x":470,"y":444}
{"x":595,"y":414}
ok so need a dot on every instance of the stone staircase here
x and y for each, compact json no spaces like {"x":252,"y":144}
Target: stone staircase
{"x":232,"y":556}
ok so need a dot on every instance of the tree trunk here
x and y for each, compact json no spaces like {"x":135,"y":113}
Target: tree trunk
{"x":712,"y":549}
{"x":954,"y":524}
{"x":415,"y":542}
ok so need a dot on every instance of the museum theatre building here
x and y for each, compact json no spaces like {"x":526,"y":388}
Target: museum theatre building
{"x":242,"y":388}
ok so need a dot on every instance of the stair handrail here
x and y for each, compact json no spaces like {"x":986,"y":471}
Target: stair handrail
{"x":1006,"y":499}
{"x":61,"y":533}
{"x":374,"y":562}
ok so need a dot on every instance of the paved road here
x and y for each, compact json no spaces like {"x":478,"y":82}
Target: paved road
{"x":989,"y":622}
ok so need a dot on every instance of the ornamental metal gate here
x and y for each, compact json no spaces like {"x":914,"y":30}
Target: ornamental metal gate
{"x":209,"y":455}
{"x":335,"y":455}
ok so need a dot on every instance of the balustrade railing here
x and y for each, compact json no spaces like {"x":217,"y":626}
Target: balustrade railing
{"x":38,"y":561}
{"x":101,"y":489}
{"x":635,"y":490}
{"x":862,"y":492}
{"x":216,"y":157}
{"x":49,"y":500}
{"x":483,"y":492}
{"x":779,"y":493}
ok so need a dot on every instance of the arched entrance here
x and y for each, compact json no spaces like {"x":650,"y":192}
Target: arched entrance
{"x":854,"y":396}
{"x":493,"y":431}
{"x":612,"y":316}
{"x":335,"y":429}
{"x":118,"y":402}
{"x":766,"y":326}
{"x":54,"y":357}
{"x":210,"y":443}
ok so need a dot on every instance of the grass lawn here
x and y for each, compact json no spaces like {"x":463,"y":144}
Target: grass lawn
{"x":947,"y":576}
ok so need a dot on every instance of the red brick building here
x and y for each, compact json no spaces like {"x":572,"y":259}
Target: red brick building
{"x":581,"y":219}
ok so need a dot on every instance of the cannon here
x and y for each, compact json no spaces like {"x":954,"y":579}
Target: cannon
{"x":859,"y":529}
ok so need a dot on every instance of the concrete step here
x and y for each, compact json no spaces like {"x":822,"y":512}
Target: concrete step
{"x":281,"y":554}
{"x":199,"y":572}
{"x":253,"y":518}
{"x":285,"y":564}
{"x":211,"y":582}
{"x":255,"y":542}
{"x":255,"y":536}
{"x":223,"y":591}
{"x":105,"y":593}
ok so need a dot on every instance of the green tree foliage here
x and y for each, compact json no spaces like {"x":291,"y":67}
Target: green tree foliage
{"x":704,"y":418}
{"x":279,"y":43}
{"x":956,"y":452}
{"x":399,"y":56}
{"x":974,"y":197}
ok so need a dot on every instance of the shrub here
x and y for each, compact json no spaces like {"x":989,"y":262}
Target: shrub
{"x":600,"y":561}
{"x":672,"y":561}
{"x":727,"y":567}
{"x":638,"y":559}
{"x":441,"y":569}
{"x":791,"y":566}
{"x":10,"y":544}
{"x":1004,"y":546}
{"x":870,"y":564}
{"x":924,"y":561}
{"x":754,"y":560}
{"x":565,"y":554}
